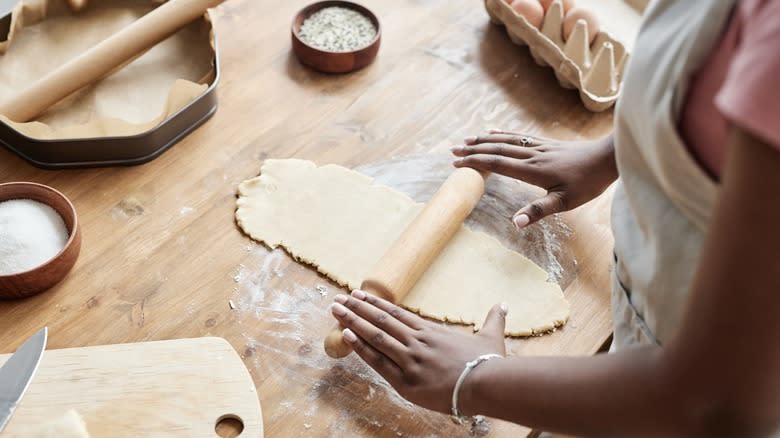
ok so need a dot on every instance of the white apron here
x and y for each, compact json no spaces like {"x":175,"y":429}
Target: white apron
{"x":663,"y":199}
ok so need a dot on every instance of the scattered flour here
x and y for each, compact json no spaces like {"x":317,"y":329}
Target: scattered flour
{"x":347,"y":391}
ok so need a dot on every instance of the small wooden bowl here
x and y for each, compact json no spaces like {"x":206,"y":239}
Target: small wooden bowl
{"x":45,"y":276}
{"x":334,"y":62}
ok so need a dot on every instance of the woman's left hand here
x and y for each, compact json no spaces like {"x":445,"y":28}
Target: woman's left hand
{"x":420,"y":359}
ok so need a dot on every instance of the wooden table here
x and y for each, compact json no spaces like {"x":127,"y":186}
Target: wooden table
{"x":162,"y":257}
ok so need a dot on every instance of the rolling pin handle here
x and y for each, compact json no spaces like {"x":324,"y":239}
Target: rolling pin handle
{"x":335,"y":345}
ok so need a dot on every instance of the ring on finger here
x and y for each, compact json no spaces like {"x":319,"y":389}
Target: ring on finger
{"x":526,"y":141}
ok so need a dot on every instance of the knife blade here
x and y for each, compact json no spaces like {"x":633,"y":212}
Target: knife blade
{"x":17,"y":373}
{"x":6,"y":7}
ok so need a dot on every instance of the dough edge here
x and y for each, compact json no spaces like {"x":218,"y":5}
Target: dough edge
{"x":476,"y":325}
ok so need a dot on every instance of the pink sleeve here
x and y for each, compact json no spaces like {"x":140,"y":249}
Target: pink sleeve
{"x":750,"y":95}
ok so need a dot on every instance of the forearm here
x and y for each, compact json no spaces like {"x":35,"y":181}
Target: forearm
{"x":732,"y":323}
{"x":720,"y":374}
{"x":622,"y":394}
{"x":605,"y":153}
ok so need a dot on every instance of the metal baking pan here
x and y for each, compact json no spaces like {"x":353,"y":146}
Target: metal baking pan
{"x":115,"y":151}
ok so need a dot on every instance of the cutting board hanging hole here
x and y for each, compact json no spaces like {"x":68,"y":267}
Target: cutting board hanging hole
{"x":229,"y":426}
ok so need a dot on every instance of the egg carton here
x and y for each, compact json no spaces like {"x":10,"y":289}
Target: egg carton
{"x":595,"y":69}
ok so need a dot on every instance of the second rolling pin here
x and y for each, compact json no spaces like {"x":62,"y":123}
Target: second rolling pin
{"x":416,"y":248}
{"x":102,"y":59}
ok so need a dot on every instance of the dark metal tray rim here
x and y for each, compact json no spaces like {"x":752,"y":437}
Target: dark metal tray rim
{"x":208,"y":97}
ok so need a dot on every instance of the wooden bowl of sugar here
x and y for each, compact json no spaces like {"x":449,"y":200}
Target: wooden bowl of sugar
{"x":40,"y":238}
{"x":336,"y":36}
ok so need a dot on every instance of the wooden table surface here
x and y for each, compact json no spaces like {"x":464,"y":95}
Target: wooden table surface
{"x":162,"y":257}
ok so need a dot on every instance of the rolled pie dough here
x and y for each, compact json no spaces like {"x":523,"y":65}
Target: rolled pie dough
{"x":341,"y":222}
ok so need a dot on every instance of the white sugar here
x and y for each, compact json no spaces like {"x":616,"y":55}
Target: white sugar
{"x":337,"y":29}
{"x":31,"y":234}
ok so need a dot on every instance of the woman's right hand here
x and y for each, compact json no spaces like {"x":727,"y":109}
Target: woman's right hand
{"x":572,"y":172}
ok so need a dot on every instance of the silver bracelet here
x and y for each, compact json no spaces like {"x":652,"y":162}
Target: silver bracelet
{"x":456,"y":416}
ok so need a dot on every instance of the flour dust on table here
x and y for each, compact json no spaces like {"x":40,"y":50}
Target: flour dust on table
{"x":265,"y":290}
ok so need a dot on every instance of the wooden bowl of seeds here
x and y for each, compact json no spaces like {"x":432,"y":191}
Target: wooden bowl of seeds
{"x":336,"y":36}
{"x":40,"y":238}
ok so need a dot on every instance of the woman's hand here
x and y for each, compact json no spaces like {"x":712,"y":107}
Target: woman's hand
{"x":572,"y":172}
{"x":420,"y":359}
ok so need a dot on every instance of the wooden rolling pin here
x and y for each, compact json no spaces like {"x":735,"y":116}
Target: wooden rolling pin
{"x":105,"y":57}
{"x":418,"y":245}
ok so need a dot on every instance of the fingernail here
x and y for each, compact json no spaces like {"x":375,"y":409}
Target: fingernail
{"x":349,"y":335}
{"x":338,"y":310}
{"x":456,"y":148}
{"x":521,"y":221}
{"x":340,"y":298}
{"x":470,"y":139}
{"x":504,"y":308}
{"x":358,"y":294}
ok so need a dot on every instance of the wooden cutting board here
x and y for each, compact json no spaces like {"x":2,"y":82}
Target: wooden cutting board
{"x":178,"y":388}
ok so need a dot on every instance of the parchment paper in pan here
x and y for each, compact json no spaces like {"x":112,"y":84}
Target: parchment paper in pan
{"x":132,"y":100}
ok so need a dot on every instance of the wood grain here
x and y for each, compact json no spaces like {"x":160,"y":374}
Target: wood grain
{"x":162,"y":257}
{"x":173,"y":388}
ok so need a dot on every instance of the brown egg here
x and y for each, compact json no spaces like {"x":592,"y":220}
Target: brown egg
{"x":576,"y":14}
{"x":567,"y":5}
{"x":531,"y":10}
